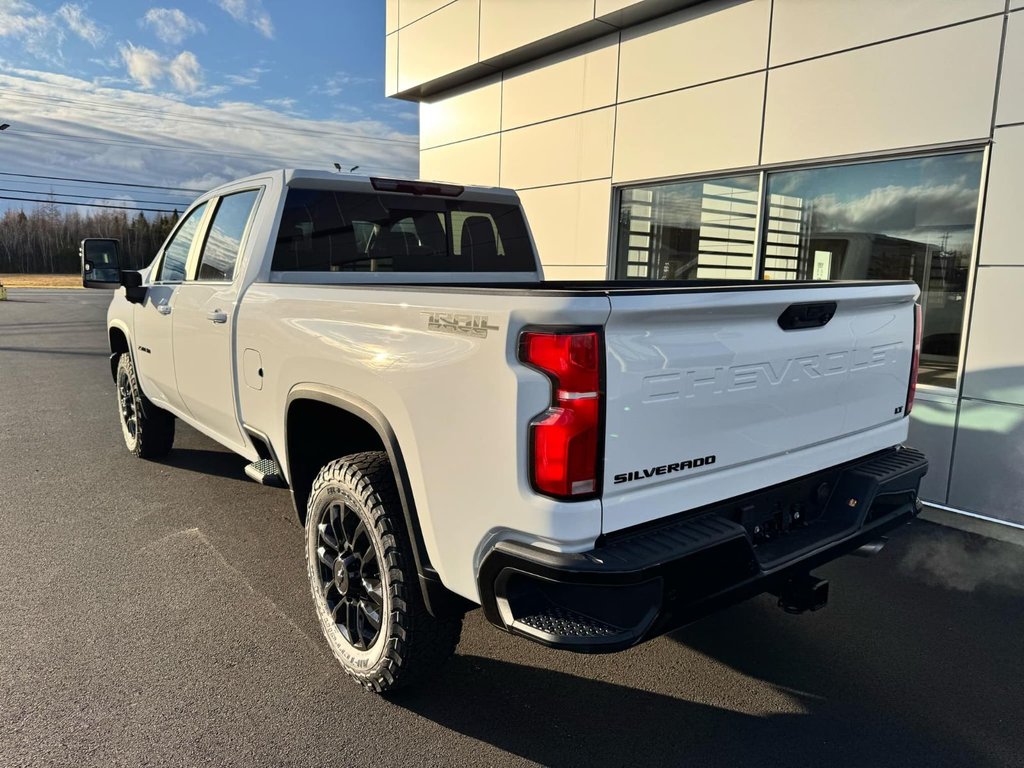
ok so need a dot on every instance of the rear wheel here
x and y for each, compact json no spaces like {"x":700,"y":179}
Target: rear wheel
{"x":148,"y":430}
{"x":363,"y":578}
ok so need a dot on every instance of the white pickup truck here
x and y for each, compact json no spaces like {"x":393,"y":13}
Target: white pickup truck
{"x":593,"y":463}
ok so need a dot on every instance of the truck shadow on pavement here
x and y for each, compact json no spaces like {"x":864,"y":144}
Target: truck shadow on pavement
{"x":899,"y":670}
{"x":40,"y":351}
{"x":207,"y":462}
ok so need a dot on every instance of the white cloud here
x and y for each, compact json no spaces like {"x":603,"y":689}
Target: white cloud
{"x":337,"y":83}
{"x":185,"y":72}
{"x":73,"y":15}
{"x":250,"y":77}
{"x":37,"y":32}
{"x":19,"y":19}
{"x":286,"y":104}
{"x":241,"y":80}
{"x":172,"y":25}
{"x":148,"y":68}
{"x":110,"y":133}
{"x":145,"y":66}
{"x":110,"y":61}
{"x":903,"y":208}
{"x":250,"y":12}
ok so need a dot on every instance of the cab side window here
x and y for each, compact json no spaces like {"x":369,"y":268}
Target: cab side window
{"x":224,"y":239}
{"x":172,"y":268}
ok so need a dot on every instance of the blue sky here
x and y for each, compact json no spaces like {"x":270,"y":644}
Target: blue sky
{"x":193,"y":93}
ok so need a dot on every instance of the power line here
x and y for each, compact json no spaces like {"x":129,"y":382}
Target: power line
{"x":99,"y":181}
{"x":84,"y":197}
{"x":172,"y":148}
{"x":250,"y":123}
{"x":133,"y":143}
{"x":50,"y":185}
{"x":88,"y":205}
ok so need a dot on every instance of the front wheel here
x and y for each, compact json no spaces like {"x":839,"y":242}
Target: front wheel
{"x":148,"y":430}
{"x":363,"y":578}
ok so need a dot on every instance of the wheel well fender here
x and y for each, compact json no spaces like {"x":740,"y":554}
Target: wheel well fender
{"x":323,"y":424}
{"x":118,"y":346}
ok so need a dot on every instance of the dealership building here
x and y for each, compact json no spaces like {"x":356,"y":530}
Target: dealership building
{"x":778,"y":139}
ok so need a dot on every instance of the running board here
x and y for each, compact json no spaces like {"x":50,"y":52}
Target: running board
{"x":266,"y":472}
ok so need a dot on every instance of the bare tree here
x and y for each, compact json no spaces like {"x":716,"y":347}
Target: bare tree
{"x":45,"y":239}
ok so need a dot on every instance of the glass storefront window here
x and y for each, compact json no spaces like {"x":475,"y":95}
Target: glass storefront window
{"x":904,"y":219}
{"x":907,"y":219}
{"x":688,"y":230}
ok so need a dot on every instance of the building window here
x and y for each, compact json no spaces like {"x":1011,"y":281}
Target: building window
{"x":907,"y":219}
{"x":904,"y":219}
{"x":688,"y":230}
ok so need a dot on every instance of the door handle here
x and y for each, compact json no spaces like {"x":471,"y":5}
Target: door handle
{"x":163,"y":309}
{"x":217,"y":316}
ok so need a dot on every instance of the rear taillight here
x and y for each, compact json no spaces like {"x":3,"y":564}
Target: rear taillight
{"x":915,"y":361}
{"x":565,"y":439}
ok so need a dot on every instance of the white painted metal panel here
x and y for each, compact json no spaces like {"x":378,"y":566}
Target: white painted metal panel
{"x":802,"y":29}
{"x":576,"y":148}
{"x":565,"y":221}
{"x":711,"y":374}
{"x":464,"y":114}
{"x":927,"y":89}
{"x":700,"y":129}
{"x":709,"y":41}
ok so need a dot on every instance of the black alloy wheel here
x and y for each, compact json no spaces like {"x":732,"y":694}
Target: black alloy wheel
{"x":129,"y":406}
{"x":148,"y":430}
{"x":363,"y":579}
{"x":349,"y":573}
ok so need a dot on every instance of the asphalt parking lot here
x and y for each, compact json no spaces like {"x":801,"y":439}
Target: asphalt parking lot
{"x":158,"y":614}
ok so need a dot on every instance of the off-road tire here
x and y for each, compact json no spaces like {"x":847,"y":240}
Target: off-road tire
{"x":410,"y":643}
{"x":148,"y":430}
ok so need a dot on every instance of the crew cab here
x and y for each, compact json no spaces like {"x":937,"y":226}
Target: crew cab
{"x":593,"y":463}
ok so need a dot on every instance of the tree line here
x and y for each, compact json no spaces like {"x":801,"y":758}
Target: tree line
{"x":46,"y":238}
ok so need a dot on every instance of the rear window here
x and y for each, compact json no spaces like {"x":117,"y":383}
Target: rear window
{"x":329,"y":231}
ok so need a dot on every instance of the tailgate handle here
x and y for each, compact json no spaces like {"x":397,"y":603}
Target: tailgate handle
{"x":799,"y":316}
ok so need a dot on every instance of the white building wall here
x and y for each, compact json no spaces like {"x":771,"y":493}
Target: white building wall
{"x":651,"y":92}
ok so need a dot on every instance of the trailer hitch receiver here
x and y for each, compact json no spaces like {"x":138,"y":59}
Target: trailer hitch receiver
{"x":803,"y":593}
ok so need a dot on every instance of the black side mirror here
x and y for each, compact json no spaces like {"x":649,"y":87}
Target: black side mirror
{"x":101,"y":262}
{"x":134,"y":290}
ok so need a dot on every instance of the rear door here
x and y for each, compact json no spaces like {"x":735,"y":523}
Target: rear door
{"x":204,"y":317}
{"x":713,"y":393}
{"x":154,"y":356}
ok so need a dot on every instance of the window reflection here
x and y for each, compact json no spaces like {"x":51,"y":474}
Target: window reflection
{"x":221,"y":250}
{"x":172,"y":270}
{"x":688,"y":230}
{"x":907,"y":219}
{"x":904,"y":219}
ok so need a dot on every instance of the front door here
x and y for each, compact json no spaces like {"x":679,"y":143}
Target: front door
{"x":204,"y":320}
{"x":154,"y":354}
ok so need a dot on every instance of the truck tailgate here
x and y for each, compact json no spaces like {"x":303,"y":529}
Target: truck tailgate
{"x":710,"y":397}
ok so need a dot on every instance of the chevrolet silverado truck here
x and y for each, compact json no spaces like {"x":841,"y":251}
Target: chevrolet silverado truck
{"x":593,"y":463}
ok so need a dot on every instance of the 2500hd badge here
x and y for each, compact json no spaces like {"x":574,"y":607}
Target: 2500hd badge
{"x":664,"y":469}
